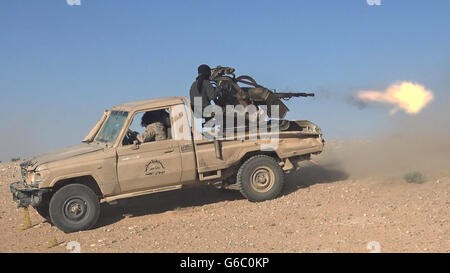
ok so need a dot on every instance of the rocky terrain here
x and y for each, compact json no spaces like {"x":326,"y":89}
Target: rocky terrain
{"x":322,"y":209}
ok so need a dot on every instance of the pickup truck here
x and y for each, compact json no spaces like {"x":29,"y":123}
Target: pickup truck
{"x":66,"y":186}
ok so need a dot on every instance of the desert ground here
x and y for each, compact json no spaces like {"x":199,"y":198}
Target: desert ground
{"x":327,"y":207}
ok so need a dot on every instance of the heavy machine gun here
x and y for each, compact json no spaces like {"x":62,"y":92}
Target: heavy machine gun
{"x":230,"y":93}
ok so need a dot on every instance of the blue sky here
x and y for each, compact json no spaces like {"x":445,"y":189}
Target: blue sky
{"x":62,"y":65}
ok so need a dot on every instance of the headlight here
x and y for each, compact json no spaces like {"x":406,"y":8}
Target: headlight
{"x":38,"y":176}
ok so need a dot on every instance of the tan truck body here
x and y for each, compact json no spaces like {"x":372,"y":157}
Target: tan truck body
{"x":115,"y":171}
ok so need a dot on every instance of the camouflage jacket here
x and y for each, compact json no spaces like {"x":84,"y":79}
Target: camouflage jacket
{"x":154,"y":131}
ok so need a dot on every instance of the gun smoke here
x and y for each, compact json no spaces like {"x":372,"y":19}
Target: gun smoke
{"x":417,"y":141}
{"x":407,"y":96}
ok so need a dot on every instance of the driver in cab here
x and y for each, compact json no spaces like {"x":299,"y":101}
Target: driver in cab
{"x":155,"y":128}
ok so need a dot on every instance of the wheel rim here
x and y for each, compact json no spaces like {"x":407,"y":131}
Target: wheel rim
{"x":75,"y":209}
{"x":262,"y":179}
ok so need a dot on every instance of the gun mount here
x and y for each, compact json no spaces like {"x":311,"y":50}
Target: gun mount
{"x":231,"y":93}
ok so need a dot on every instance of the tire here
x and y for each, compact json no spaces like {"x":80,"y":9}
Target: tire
{"x":74,"y":207}
{"x":43,"y":211}
{"x":260,"y":178}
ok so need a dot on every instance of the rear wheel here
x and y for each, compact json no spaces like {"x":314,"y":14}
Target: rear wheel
{"x":74,"y":207}
{"x":260,"y":178}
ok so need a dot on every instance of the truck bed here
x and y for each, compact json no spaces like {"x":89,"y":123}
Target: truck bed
{"x":299,"y":138}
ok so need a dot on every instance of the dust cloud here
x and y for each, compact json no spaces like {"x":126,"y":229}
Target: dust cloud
{"x":417,"y":145}
{"x":417,"y":140}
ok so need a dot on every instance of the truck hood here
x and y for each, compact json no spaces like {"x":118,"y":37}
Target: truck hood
{"x":63,"y":153}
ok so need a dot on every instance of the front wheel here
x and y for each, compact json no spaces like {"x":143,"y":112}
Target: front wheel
{"x":74,"y":207}
{"x":260,"y":178}
{"x":43,"y":211}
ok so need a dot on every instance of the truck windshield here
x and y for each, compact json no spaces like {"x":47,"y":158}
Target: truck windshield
{"x":112,"y":127}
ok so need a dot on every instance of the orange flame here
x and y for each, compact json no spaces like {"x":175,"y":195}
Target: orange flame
{"x":407,"y":96}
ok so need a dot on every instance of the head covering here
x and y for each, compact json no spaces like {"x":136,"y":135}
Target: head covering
{"x":153,"y":116}
{"x":204,"y":72}
{"x":204,"y":69}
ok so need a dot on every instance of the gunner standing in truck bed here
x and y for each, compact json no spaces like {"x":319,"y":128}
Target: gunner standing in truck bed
{"x":202,"y":88}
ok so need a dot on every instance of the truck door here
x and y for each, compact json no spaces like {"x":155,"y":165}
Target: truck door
{"x":148,"y":165}
{"x":183,"y":134}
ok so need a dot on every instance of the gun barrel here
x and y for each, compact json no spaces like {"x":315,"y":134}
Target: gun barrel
{"x":290,"y":95}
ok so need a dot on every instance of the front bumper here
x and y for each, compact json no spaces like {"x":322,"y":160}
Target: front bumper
{"x":25,"y":195}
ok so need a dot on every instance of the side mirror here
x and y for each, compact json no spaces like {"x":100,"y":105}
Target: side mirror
{"x":135,"y":144}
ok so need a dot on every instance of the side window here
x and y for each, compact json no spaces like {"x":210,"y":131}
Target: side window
{"x":149,"y":126}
